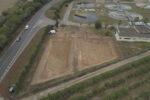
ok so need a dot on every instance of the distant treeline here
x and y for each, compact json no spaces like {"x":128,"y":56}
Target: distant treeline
{"x":13,"y":18}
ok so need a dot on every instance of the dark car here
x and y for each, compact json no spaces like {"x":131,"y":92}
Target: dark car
{"x":18,"y":39}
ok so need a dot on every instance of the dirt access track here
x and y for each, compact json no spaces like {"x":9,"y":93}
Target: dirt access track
{"x":71,"y":50}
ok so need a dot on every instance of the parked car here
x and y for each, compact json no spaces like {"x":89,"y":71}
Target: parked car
{"x":12,"y":88}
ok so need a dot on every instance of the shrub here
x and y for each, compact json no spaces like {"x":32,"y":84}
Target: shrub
{"x":117,"y":95}
{"x":114,"y":83}
{"x":12,"y":20}
{"x":98,"y":25}
{"x":145,"y":95}
{"x":142,"y":70}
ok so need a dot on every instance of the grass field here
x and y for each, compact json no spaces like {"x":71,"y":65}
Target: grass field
{"x":5,"y":4}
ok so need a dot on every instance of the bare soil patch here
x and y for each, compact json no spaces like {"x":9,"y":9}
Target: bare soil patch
{"x":71,"y":50}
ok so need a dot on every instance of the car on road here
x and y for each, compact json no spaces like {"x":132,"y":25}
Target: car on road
{"x":26,"y":27}
{"x":18,"y":39}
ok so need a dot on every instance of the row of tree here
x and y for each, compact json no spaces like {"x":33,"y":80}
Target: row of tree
{"x":12,"y":19}
{"x":59,"y":9}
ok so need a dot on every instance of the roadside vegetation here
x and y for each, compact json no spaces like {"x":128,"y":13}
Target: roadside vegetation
{"x":12,"y":19}
{"x":118,"y":84}
{"x":57,"y":12}
{"x":27,"y":67}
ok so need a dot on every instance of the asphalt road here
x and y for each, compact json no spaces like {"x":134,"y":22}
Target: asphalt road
{"x":26,"y":36}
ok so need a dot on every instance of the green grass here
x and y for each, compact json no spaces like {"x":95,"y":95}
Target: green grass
{"x":102,"y":31}
{"x":131,"y":48}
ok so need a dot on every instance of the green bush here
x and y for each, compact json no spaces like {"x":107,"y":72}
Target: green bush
{"x":98,"y":25}
{"x":117,"y":95}
{"x":12,"y":20}
{"x":59,"y":8}
{"x":114,"y":83}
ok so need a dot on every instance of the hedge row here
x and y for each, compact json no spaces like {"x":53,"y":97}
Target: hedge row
{"x":13,"y":21}
{"x":142,"y":70}
{"x":114,"y":83}
{"x":117,"y":95}
{"x":125,"y":91}
{"x":80,"y":86}
{"x":13,"y":18}
{"x":107,"y":85}
{"x":24,"y":73}
{"x":136,"y":85}
{"x":145,"y":95}
{"x":59,"y":9}
{"x":99,"y":90}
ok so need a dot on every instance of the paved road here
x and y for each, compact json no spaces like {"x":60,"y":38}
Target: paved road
{"x":36,"y":23}
{"x":85,"y":77}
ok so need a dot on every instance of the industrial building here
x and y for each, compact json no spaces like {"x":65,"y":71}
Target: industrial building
{"x":131,"y":34}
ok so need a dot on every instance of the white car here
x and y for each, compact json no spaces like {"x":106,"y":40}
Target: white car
{"x":26,"y":27}
{"x":11,"y":88}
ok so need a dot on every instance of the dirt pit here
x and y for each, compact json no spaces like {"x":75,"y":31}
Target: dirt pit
{"x":72,"y":50}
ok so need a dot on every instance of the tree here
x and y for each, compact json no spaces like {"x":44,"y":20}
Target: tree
{"x":120,"y":21}
{"x":107,"y":33}
{"x":41,"y":1}
{"x":98,"y":25}
{"x":3,"y":40}
{"x":145,"y":20}
{"x":57,"y":23}
{"x":136,"y":19}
